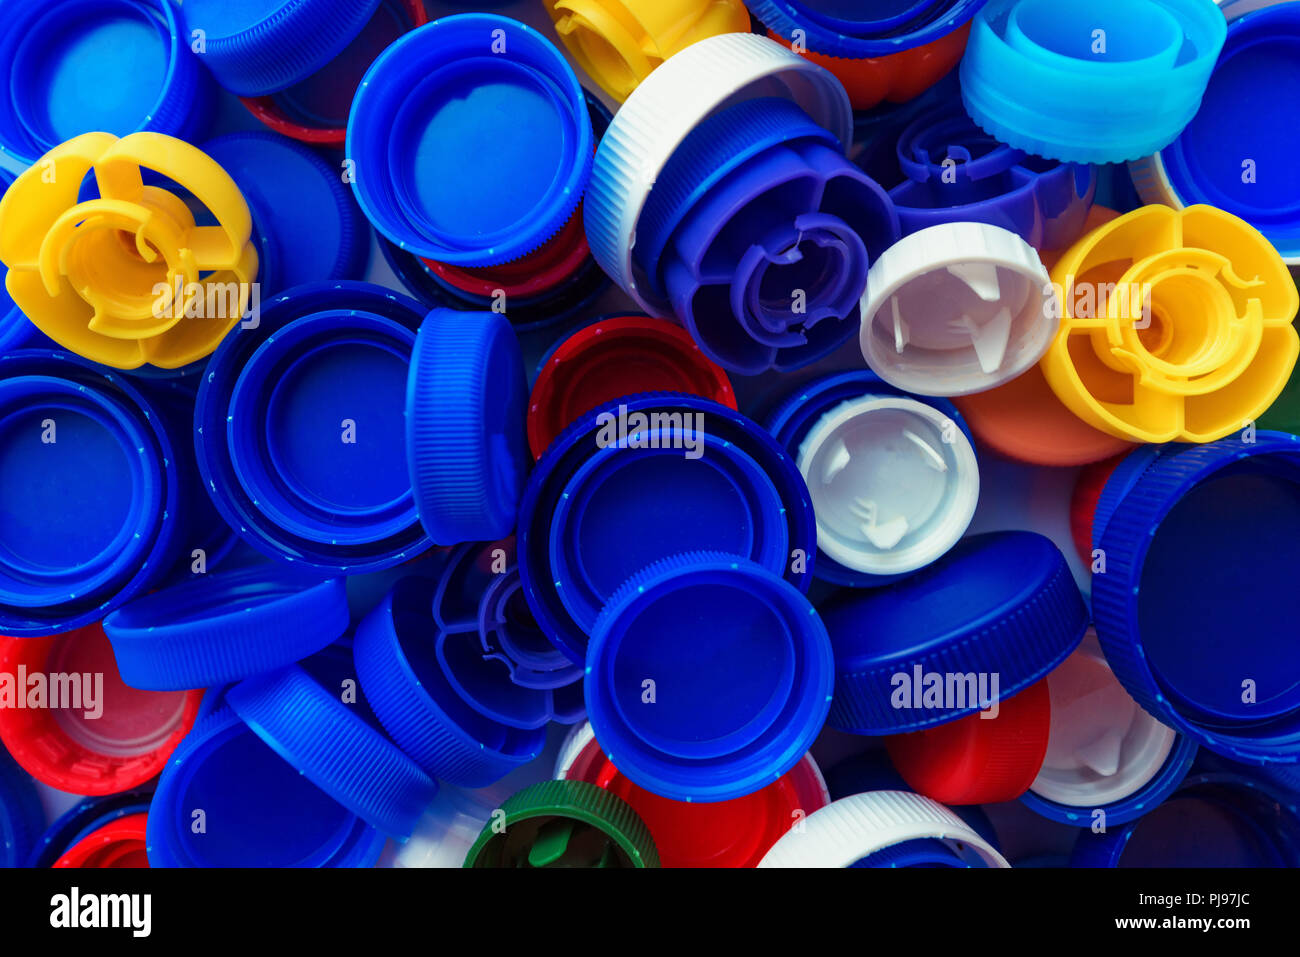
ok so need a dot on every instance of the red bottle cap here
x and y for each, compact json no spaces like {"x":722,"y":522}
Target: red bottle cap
{"x":532,"y":275}
{"x":735,"y":833}
{"x":120,"y":843}
{"x":1083,"y":503}
{"x":978,"y":760}
{"x":67,"y":717}
{"x":616,"y":357}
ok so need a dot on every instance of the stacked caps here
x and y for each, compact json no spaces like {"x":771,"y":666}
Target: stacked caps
{"x":343,"y":554}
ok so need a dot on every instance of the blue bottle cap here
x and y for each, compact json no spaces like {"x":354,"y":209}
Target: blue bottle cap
{"x":842,"y":28}
{"x":876,"y":131}
{"x":890,"y":470}
{"x":407,"y":680}
{"x":1045,"y":76}
{"x":307,"y":716}
{"x":76,"y":66}
{"x":1167,"y":598}
{"x":1232,"y":820}
{"x":299,"y":428}
{"x":93,"y":496}
{"x":1001,"y":605}
{"x":255,"y":47}
{"x":1205,"y":163}
{"x":926,"y":852}
{"x":691,"y":520}
{"x":256,"y":809}
{"x":958,"y":173}
{"x":21,"y":817}
{"x":466,"y":405}
{"x":78,"y":821}
{"x":305,"y":221}
{"x":435,"y":175}
{"x":210,"y":631}
{"x":702,"y":738}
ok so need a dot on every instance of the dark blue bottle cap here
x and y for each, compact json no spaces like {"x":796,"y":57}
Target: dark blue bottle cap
{"x":213,"y":630}
{"x":21,"y":817}
{"x":841,"y":28}
{"x":226,"y":799}
{"x":299,"y":429}
{"x":688,"y":730}
{"x":925,"y":852}
{"x":255,"y":47}
{"x":466,"y":405}
{"x":92,"y":493}
{"x":83,"y":818}
{"x":75,"y":66}
{"x":1215,"y":819}
{"x":311,"y":720}
{"x":706,"y":510}
{"x":1168,"y":595}
{"x":434,"y":174}
{"x":305,"y":221}
{"x":799,"y":413}
{"x":1002,"y":605}
{"x":405,"y":676}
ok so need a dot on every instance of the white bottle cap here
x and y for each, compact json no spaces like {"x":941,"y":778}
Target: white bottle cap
{"x":956,"y":309}
{"x":1102,"y":746}
{"x":846,"y":831}
{"x":894,"y":483}
{"x":687,"y":89}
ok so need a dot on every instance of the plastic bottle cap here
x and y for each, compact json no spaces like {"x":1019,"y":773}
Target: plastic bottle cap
{"x":315,"y":109}
{"x":564,"y":824}
{"x":661,"y":114}
{"x":420,"y":701}
{"x":226,"y":626}
{"x":735,"y":833}
{"x":259,"y":811}
{"x":619,"y":42}
{"x":955,"y":309}
{"x":16,"y":330}
{"x":261,"y":46}
{"x":1235,"y":820}
{"x":433,"y":173}
{"x":1104,"y":751}
{"x":120,"y":843}
{"x":1231,"y":497}
{"x":1044,"y":75}
{"x":1126,"y":366}
{"x":751,"y":454}
{"x":893,"y":481}
{"x":1001,"y":607}
{"x":307,"y":224}
{"x":1200,"y":167}
{"x":842,"y":28}
{"x":615,"y":357}
{"x":684,"y":741}
{"x":852,"y":828}
{"x":958,"y":173}
{"x":466,"y":403}
{"x":84,"y":733}
{"x":300,"y":715}
{"x":93,"y":497}
{"x":1088,"y":488}
{"x":82,"y":819}
{"x":894,"y":77}
{"x":124,"y":303}
{"x":320,"y":477}
{"x":978,"y":759}
{"x":21,"y":816}
{"x":116,"y":65}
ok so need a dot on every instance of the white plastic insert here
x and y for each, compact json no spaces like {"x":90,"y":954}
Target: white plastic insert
{"x":1102,"y":746}
{"x":894,"y":483}
{"x":957,"y":309}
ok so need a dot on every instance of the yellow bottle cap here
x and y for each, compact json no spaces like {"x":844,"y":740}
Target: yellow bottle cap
{"x":619,"y":42}
{"x":117,"y":279}
{"x":1176,"y":325}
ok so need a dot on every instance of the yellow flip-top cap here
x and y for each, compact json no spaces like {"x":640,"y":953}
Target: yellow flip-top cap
{"x":117,"y":279}
{"x":1176,"y":325}
{"x":619,"y":42}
